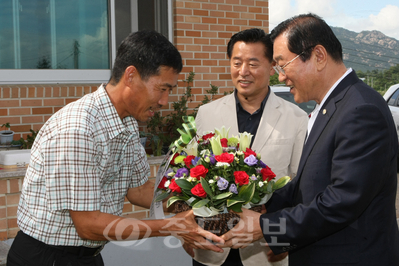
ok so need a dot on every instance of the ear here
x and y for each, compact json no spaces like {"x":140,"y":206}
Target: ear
{"x":272,"y":71}
{"x":321,"y":56}
{"x":129,"y":74}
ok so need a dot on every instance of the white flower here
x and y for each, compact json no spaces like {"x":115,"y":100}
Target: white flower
{"x":239,"y":153}
{"x":216,"y":145}
{"x":191,"y":179}
{"x":223,"y":132}
{"x":211,"y":181}
{"x":220,"y":164}
{"x":245,"y":140}
{"x":191,"y":148}
{"x":203,"y":153}
{"x":167,"y":183}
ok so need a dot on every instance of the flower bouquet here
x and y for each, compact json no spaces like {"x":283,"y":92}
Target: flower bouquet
{"x":215,"y":174}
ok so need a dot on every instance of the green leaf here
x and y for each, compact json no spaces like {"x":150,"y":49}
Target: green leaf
{"x":247,"y":192}
{"x":173,"y":199}
{"x":223,"y":196}
{"x":231,"y":202}
{"x":184,"y":184}
{"x":217,"y":203}
{"x":200,"y":203}
{"x":269,"y":187}
{"x":255,"y":199}
{"x":281,"y":182}
{"x":206,"y":187}
{"x":162,"y":196}
{"x":236,"y":207}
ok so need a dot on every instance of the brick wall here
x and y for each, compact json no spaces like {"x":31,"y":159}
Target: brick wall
{"x":28,"y":107}
{"x":202,"y":29}
{"x":10,"y":191}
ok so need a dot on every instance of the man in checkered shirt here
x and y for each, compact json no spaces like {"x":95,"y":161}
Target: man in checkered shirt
{"x":88,"y":157}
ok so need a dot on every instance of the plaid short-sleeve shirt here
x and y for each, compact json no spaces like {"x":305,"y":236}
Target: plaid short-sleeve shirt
{"x":84,"y":158}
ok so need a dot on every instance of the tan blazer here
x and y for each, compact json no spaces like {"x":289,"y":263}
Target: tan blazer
{"x":279,"y":140}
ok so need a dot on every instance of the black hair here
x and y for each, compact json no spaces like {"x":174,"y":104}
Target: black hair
{"x":253,"y":35}
{"x":147,"y":51}
{"x":306,"y":31}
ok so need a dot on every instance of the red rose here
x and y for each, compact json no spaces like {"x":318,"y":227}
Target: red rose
{"x":241,"y":178}
{"x":225,"y":157}
{"x":249,"y":152}
{"x":174,"y":187}
{"x":162,"y":183}
{"x":224,"y":141}
{"x":267,"y":174}
{"x":198,"y":171}
{"x":208,"y":136}
{"x":188,"y":160}
{"x":199,"y":191}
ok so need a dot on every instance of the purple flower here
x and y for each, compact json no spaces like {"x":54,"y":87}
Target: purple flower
{"x":212,"y":160}
{"x":181,"y":172}
{"x":195,"y":160}
{"x":233,"y":189}
{"x":253,"y":177}
{"x":251,"y":160}
{"x":222,"y":183}
{"x":262,"y":164}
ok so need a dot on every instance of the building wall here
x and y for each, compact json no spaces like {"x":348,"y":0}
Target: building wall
{"x":28,"y":107}
{"x":202,"y":29}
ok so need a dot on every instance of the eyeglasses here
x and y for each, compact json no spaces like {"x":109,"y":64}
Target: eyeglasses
{"x":280,"y":69}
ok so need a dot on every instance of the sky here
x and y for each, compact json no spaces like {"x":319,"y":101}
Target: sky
{"x":354,"y":15}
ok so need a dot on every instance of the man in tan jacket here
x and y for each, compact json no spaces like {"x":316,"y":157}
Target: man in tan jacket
{"x":279,"y":129}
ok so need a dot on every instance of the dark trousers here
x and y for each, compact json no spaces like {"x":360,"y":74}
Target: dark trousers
{"x":27,"y":251}
{"x":233,"y":259}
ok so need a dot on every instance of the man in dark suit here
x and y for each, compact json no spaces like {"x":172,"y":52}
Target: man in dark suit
{"x":340,"y":208}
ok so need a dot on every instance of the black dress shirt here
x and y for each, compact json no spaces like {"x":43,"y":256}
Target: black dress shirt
{"x":246,"y":121}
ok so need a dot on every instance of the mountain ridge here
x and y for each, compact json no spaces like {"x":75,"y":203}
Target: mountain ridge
{"x":368,"y":50}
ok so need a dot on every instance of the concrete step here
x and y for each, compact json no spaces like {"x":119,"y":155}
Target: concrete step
{"x":3,"y":253}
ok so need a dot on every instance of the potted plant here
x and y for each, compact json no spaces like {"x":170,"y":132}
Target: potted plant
{"x":26,"y":144}
{"x":6,"y":136}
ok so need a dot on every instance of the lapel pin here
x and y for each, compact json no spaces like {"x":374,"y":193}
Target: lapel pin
{"x":324,"y":111}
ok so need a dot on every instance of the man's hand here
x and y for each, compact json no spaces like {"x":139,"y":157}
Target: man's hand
{"x":184,"y":227}
{"x":245,"y":232}
{"x":189,"y":249}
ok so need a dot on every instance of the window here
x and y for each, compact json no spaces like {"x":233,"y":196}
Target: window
{"x":74,"y":41}
{"x":393,"y":100}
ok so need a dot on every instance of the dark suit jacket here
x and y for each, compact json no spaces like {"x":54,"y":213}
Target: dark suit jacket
{"x":340,"y":209}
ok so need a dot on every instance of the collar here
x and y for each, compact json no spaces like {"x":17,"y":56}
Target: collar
{"x":315,"y":112}
{"x":334,"y":86}
{"x":113,"y":123}
{"x":262,"y":105}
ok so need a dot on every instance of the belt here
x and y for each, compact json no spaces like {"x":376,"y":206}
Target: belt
{"x":81,"y":251}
